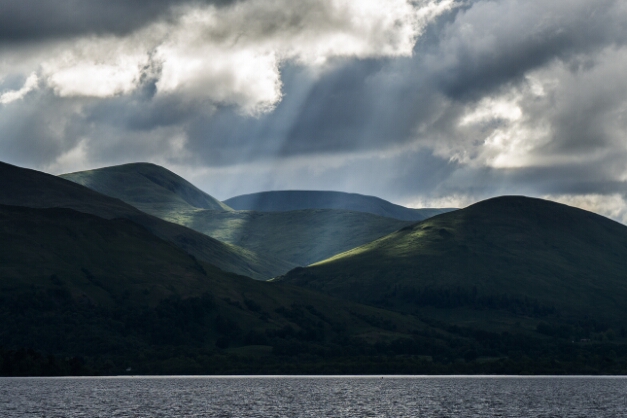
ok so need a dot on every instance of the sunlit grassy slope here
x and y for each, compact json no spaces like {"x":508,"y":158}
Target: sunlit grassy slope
{"x":106,"y":262}
{"x":300,"y":237}
{"x":30,"y":188}
{"x":288,"y":200}
{"x":503,"y":252}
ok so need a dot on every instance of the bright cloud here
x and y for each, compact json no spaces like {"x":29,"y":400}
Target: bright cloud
{"x":613,"y":206}
{"x":96,"y":67}
{"x":232,"y":55}
{"x":11,"y":96}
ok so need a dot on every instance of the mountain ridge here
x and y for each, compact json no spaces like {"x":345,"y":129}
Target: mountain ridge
{"x":96,"y":293}
{"x":287,"y":200}
{"x":298,"y":237}
{"x":31,"y":188}
{"x":108,"y":293}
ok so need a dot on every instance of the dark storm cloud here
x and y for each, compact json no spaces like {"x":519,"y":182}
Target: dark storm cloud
{"x":351,"y":108}
{"x":370,"y":104}
{"x":492,"y":44}
{"x":32,"y":20}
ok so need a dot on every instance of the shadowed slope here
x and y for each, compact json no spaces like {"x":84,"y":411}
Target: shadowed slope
{"x":77,"y":284}
{"x":504,"y":251}
{"x":145,"y":184}
{"x":30,"y":188}
{"x":93,"y":259}
{"x":286,"y":200}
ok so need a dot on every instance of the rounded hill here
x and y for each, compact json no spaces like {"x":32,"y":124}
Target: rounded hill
{"x":505,"y":251}
{"x":288,"y":200}
{"x":141,"y":184}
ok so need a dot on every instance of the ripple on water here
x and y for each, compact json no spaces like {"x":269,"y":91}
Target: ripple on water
{"x":313,"y":397}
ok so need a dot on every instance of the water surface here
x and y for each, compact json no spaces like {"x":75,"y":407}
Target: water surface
{"x":314,"y":397}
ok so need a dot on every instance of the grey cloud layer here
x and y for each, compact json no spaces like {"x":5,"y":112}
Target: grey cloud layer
{"x":498,"y":97}
{"x":31,"y":20}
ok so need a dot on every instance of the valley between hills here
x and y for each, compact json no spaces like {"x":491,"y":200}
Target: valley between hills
{"x":133,"y":269}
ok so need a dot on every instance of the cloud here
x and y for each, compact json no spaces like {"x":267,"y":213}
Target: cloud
{"x":613,"y":206}
{"x":95,"y":68}
{"x":428,"y":102}
{"x":36,"y":20}
{"x":13,"y":95}
{"x":494,"y":43}
{"x":230,"y":54}
{"x":179,"y":76}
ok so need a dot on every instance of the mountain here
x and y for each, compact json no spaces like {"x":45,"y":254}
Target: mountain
{"x":286,"y":200}
{"x":100,"y":293}
{"x":300,"y":237}
{"x":87,"y":278}
{"x":30,"y":188}
{"x":145,"y":184}
{"x":106,"y":293}
{"x":511,"y":256}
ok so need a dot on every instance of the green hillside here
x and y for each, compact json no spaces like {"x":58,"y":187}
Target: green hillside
{"x":145,"y":184}
{"x":30,"y":188}
{"x":505,"y":257}
{"x":288,"y":200}
{"x":84,"y":293}
{"x":299,"y":237}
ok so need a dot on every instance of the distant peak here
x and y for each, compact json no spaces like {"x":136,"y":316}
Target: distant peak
{"x":288,"y":200}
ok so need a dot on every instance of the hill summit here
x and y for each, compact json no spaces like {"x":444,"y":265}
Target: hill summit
{"x":146,"y":184}
{"x":505,"y":252}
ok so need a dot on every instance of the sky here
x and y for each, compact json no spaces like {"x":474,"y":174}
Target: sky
{"x":426,"y":103}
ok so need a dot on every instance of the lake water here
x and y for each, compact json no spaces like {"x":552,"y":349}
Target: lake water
{"x":314,"y":397}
